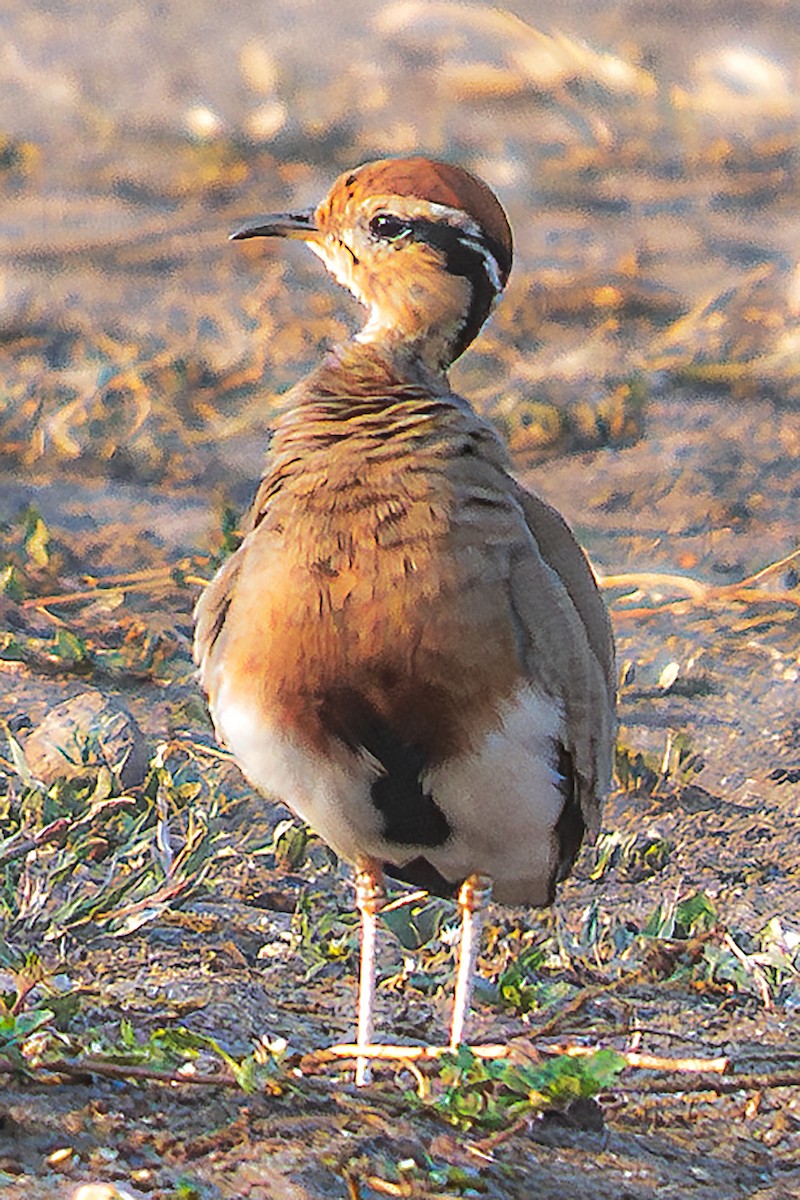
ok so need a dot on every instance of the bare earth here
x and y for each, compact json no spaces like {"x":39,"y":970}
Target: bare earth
{"x":643,"y":367}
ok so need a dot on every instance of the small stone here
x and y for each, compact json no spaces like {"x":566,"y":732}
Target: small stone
{"x":62,"y":1155}
{"x":668,"y":676}
{"x":100,"y":1191}
{"x":83,"y":734}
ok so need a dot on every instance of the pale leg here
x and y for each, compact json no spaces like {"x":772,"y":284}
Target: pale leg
{"x":473,"y":896}
{"x":370,"y":896}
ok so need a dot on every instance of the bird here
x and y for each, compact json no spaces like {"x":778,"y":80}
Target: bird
{"x":408,"y":648}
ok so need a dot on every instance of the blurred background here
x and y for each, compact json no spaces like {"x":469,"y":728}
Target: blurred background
{"x":647,"y":155}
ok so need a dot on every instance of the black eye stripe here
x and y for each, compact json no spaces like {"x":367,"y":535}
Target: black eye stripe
{"x":476,"y":258}
{"x":465,"y":254}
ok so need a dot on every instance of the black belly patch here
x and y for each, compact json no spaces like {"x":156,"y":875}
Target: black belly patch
{"x":570,"y":826}
{"x":411,"y":817}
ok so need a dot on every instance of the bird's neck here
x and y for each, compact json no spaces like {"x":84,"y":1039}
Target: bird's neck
{"x":377,"y":373}
{"x":420,"y":324}
{"x":378,"y":406}
{"x":411,"y":350}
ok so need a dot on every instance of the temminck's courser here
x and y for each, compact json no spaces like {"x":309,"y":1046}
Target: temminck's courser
{"x":408,"y":648}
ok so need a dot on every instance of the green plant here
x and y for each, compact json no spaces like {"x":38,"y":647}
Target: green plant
{"x":647,"y":772}
{"x":634,"y":856}
{"x":418,"y":923}
{"x":85,"y":854}
{"x":681,"y":919}
{"x":492,"y":1093}
{"x":173,"y":1047}
{"x":324,"y":936}
{"x":291,"y":842}
{"x":526,"y":985}
{"x":635,"y":771}
{"x":37,"y":1002}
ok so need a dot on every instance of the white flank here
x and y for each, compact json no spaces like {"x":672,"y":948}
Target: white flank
{"x":502,"y":800}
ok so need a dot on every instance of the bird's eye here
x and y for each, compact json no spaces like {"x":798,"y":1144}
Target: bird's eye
{"x":389,"y":228}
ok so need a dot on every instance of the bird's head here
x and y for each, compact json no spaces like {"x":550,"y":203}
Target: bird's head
{"x":424,"y":245}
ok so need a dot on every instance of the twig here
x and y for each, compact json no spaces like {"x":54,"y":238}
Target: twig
{"x":20,"y":844}
{"x":129,"y":581}
{"x":638,"y":580}
{"x":415,"y":1054}
{"x":353,"y":1190}
{"x":385,"y":1188}
{"x":423,"y":1086}
{"x":108,"y":1070}
{"x":101,"y":581}
{"x":721,"y":1084}
{"x":569,"y":1009}
{"x":774,"y":566}
{"x":168,"y":891}
{"x":697,"y":592}
{"x":39,"y":602}
{"x":56,"y":833}
{"x":693,"y":1075}
{"x":407,"y":1054}
{"x":210,"y":752}
{"x":653,"y":1062}
{"x":751,"y":968}
{"x":487,"y":1145}
{"x":678,"y":607}
{"x":404,"y":900}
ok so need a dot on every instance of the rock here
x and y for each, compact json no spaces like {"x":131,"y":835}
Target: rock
{"x":100,"y":1191}
{"x":83,"y":734}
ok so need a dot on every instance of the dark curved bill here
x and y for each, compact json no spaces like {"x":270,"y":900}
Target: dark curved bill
{"x":287,"y":225}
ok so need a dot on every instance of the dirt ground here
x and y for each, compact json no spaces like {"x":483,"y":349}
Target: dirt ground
{"x":642,"y":366}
